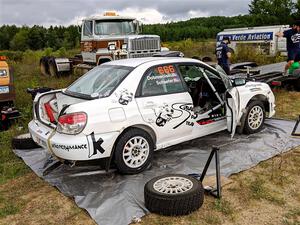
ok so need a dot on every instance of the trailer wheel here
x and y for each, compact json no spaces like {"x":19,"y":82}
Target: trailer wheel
{"x":24,"y":141}
{"x":255,"y":117}
{"x":173,"y":195}
{"x":44,"y":67}
{"x":52,"y":68}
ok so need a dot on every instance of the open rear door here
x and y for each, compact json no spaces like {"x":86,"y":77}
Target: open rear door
{"x":232,"y":104}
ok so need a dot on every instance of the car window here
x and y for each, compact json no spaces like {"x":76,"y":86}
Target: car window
{"x":162,"y":79}
{"x":212,"y":75}
{"x":223,"y":76}
{"x":191,"y":72}
{"x":100,"y":81}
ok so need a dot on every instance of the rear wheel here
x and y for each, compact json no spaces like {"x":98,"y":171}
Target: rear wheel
{"x":134,"y":151}
{"x":255,"y":117}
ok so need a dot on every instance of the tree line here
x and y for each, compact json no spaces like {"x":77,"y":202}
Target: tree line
{"x":38,"y":37}
{"x":261,"y":12}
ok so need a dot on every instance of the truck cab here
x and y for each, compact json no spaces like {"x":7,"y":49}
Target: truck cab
{"x":110,"y":37}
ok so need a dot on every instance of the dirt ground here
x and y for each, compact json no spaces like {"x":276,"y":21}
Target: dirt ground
{"x":268,"y":194}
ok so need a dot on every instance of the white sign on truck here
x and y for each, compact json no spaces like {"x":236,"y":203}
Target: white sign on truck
{"x":262,"y":38}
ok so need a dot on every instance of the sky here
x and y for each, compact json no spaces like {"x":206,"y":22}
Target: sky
{"x":67,"y":12}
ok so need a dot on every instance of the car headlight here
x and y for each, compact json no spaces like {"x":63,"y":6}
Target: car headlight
{"x":72,"y":123}
{"x":3,"y":73}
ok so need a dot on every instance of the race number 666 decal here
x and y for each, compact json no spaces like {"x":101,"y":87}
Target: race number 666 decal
{"x":165,"y":69}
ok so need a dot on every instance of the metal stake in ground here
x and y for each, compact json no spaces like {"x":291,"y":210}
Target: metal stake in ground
{"x":295,"y":128}
{"x":216,"y":192}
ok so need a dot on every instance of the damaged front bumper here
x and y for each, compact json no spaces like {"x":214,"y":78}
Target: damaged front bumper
{"x":79,"y":147}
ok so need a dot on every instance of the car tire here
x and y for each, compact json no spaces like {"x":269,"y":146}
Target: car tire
{"x":255,"y":117}
{"x":133,"y":151}
{"x":160,"y":200}
{"x":24,"y":141}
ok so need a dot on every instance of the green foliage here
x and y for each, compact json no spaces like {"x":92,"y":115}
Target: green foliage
{"x":208,"y":27}
{"x":281,"y":9}
{"x":19,"y":42}
{"x":38,"y":37}
{"x":246,"y":53}
{"x":223,"y":206}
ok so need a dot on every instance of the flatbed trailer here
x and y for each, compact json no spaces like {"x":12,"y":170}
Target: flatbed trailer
{"x":272,"y":74}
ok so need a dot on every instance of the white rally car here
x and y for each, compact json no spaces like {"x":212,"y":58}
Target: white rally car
{"x":126,"y":109}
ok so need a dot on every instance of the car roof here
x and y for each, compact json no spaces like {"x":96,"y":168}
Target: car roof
{"x":135,"y":62}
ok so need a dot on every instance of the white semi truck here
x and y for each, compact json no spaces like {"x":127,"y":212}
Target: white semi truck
{"x":103,"y":39}
{"x":262,"y":38}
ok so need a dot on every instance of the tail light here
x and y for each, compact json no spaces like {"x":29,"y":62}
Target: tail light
{"x":276,"y":83}
{"x":72,"y":123}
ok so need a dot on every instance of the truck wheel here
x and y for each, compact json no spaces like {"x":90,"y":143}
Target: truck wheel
{"x":44,"y":67}
{"x":173,"y":195}
{"x":24,"y":141}
{"x":134,"y":151}
{"x":52,"y":68}
{"x":255,"y":117}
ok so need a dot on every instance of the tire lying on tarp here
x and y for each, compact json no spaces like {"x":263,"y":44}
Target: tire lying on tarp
{"x":24,"y":141}
{"x":173,"y":195}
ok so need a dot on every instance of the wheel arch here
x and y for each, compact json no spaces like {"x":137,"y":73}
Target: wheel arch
{"x":144,"y":127}
{"x":263,"y":99}
{"x":259,"y":97}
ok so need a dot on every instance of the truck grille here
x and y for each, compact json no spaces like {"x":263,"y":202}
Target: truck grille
{"x":142,"y":44}
{"x":141,"y":55}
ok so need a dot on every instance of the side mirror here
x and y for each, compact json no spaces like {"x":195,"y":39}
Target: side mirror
{"x":238,"y":82}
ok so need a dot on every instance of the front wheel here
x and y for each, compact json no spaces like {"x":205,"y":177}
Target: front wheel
{"x":255,"y":117}
{"x":134,"y":151}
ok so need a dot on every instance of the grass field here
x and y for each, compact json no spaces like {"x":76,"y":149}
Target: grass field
{"x":266,"y":194}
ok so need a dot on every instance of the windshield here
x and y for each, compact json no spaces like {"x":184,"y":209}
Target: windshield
{"x":99,"y":82}
{"x":114,"y":27}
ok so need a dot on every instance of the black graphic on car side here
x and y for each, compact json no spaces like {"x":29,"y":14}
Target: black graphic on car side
{"x":125,"y":97}
{"x":165,"y":113}
{"x":96,"y":145}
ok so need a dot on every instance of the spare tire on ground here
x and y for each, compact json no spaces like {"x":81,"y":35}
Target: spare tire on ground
{"x":173,"y":195}
{"x":24,"y":141}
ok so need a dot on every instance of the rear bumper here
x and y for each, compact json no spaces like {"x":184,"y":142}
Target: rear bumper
{"x":73,"y":147}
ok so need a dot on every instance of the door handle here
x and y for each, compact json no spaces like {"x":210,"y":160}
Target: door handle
{"x":149,"y":104}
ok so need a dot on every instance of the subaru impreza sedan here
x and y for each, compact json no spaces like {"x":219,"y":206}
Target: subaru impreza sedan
{"x":125,"y":110}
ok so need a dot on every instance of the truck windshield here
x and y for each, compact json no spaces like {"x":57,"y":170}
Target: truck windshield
{"x":99,"y":82}
{"x":114,"y":27}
